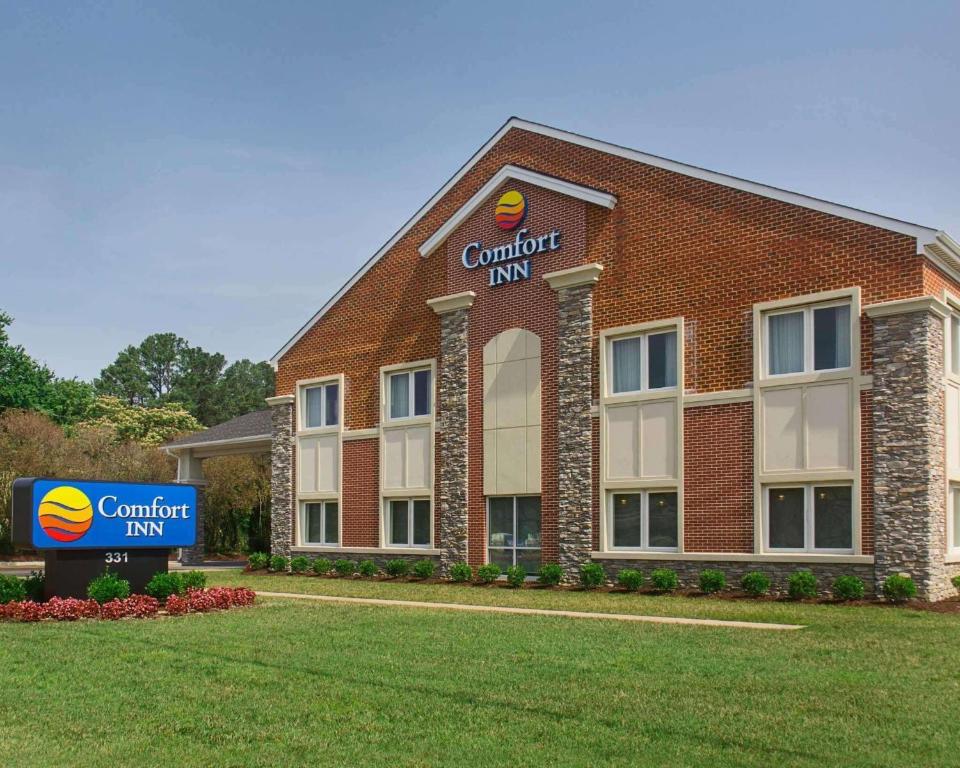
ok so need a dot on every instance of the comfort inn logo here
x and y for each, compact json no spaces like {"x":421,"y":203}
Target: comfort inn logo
{"x":65,"y":513}
{"x":511,"y":210}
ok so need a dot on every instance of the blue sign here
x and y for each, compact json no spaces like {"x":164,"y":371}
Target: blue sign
{"x":86,"y":514}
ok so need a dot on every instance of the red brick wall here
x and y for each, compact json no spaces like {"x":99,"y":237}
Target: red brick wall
{"x":673,"y":245}
{"x":360,"y":496}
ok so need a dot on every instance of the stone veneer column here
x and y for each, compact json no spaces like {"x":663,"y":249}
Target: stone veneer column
{"x":574,"y":289}
{"x":452,"y":420}
{"x":190,"y":472}
{"x":909,"y":443}
{"x":281,"y":477}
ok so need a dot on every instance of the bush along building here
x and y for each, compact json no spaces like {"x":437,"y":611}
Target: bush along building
{"x":576,"y":352}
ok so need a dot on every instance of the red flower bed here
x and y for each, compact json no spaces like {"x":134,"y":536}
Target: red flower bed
{"x":135,"y":606}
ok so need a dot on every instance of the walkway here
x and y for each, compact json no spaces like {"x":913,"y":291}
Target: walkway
{"x":533,"y":611}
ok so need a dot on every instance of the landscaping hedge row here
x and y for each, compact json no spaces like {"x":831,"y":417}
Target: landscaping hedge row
{"x":801,"y":584}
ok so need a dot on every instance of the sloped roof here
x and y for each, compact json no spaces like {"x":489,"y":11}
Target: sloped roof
{"x":249,"y":427}
{"x":937,"y":246}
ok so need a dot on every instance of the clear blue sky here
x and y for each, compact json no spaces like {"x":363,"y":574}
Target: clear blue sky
{"x":220,"y":169}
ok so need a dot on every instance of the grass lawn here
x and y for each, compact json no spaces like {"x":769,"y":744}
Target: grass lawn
{"x":298,"y":683}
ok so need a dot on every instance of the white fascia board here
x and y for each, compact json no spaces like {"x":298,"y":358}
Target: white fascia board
{"x":516,"y":173}
{"x":923,"y":235}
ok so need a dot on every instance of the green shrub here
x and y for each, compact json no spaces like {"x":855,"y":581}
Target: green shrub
{"x":162,"y":585}
{"x":108,"y":586}
{"x":279,"y":563}
{"x":664,"y":579}
{"x":898,"y":588}
{"x":848,"y":588}
{"x":591,"y":575}
{"x":322,"y":566}
{"x":488,"y":573}
{"x":424,"y":569}
{"x":516,"y":575}
{"x":712,"y":581}
{"x":461,"y":572}
{"x":344,"y":567}
{"x":630,"y":579}
{"x":550,"y":575}
{"x":755,"y":583}
{"x":802,"y":585}
{"x":194,"y":580}
{"x":299,"y":564}
{"x":257,"y":561}
{"x":956,"y":581}
{"x":367,"y":568}
{"x":12,"y":589}
{"x":397,"y":568}
{"x":34,"y":585}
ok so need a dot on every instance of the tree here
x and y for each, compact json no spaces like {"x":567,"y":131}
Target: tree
{"x":125,"y":378}
{"x":243,"y":388}
{"x":161,"y":358}
{"x":23,"y":381}
{"x":196,"y":384}
{"x":68,"y":401}
{"x":148,"y":426}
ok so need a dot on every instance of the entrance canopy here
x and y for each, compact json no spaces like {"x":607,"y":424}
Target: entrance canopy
{"x":250,"y":433}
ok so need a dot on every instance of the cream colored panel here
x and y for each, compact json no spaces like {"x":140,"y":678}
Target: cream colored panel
{"x":533,"y":345}
{"x":511,"y":460}
{"x":490,"y":352}
{"x":418,"y":457}
{"x":623,"y":442}
{"x":307,"y":465}
{"x":532,"y":388}
{"x":489,"y":393}
{"x":533,"y":460}
{"x":328,"y":463}
{"x":782,"y":432}
{"x":511,"y":345}
{"x":829,"y":427}
{"x":490,"y":462}
{"x":394,"y":448}
{"x":658,"y":440}
{"x":953,"y":431}
{"x":511,"y":394}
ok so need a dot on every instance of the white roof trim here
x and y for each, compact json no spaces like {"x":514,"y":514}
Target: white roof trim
{"x":923,"y":235}
{"x":519,"y":174}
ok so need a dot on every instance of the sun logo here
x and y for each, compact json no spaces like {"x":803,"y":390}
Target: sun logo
{"x":65,"y":514}
{"x":511,"y":208}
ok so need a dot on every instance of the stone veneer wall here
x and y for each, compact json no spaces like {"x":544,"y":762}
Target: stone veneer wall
{"x":689,"y":571}
{"x":574,"y":428}
{"x":909,"y":450}
{"x":281,"y":480}
{"x":195,"y":555}
{"x":452,"y":421}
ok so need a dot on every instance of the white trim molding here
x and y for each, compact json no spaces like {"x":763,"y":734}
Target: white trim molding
{"x":939,"y":247}
{"x":720,"y":397}
{"x":574,"y":277}
{"x":515,"y":173}
{"x":735,"y":557}
{"x":280,"y":400}
{"x":320,"y":548}
{"x":444,"y":304}
{"x":906,"y":306}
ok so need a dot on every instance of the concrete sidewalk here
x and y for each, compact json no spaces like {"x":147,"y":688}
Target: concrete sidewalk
{"x":534,"y":611}
{"x":24,"y":567}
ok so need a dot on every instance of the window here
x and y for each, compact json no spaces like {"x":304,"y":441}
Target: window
{"x":410,"y":398}
{"x":953,"y":519}
{"x":513,"y":531}
{"x":408,"y":522}
{"x":321,"y":405}
{"x":808,"y":339}
{"x":953,"y":362}
{"x":645,"y":520}
{"x":321,"y":522}
{"x":644,"y":362}
{"x":810,"y":518}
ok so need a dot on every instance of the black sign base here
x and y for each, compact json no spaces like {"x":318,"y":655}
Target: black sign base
{"x":69,"y":571}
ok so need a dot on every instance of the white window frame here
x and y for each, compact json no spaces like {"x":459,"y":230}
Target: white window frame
{"x":514,"y":547}
{"x":388,"y":522}
{"x":302,"y":537}
{"x":411,"y":390}
{"x":644,"y":360}
{"x":953,"y":501}
{"x":809,"y":518}
{"x":321,"y":384}
{"x":644,"y":519}
{"x":808,"y":338}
